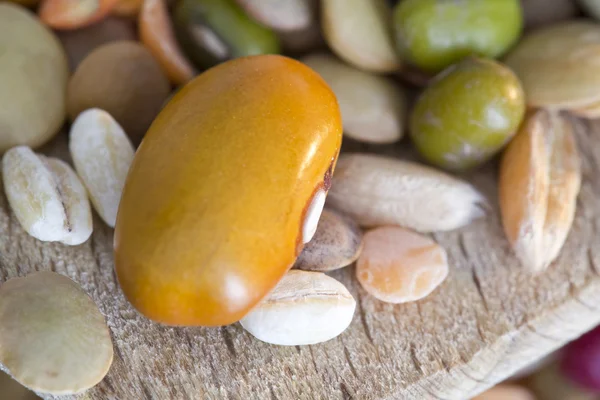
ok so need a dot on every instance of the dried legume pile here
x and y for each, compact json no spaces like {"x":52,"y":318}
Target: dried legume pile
{"x":207,"y":133}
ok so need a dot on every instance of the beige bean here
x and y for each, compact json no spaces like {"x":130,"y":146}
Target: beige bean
{"x":360,"y":32}
{"x":373,"y":107}
{"x":376,"y":190}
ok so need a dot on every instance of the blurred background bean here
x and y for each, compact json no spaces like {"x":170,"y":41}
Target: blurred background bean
{"x":80,"y":42}
{"x":433,"y":34}
{"x":360,"y":33}
{"x":67,"y":14}
{"x":213,"y":31}
{"x":373,"y":107}
{"x":156,"y":33}
{"x":538,"y":13}
{"x":123,"y":79}
{"x":33,"y":79}
{"x":288,"y":15}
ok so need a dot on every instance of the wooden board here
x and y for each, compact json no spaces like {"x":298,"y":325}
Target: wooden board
{"x":486,"y":321}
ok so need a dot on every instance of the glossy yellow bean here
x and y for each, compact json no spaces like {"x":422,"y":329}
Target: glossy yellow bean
{"x":224,"y":190}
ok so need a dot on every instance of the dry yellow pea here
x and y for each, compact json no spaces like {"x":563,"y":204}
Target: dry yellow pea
{"x":398,"y":265}
{"x":540,"y":177}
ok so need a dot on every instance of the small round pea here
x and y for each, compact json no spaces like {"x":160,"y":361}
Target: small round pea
{"x":467,"y":114}
{"x":433,"y":34}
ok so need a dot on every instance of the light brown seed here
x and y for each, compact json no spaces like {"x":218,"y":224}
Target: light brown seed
{"x":125,"y":80}
{"x":80,"y":42}
{"x":539,"y":182}
{"x":557,"y":65}
{"x":377,"y":190}
{"x":336,"y":244}
{"x":53,"y":338}
{"x":398,"y":265}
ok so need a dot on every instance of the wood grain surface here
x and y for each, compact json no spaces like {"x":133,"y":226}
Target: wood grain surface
{"x":486,"y":321}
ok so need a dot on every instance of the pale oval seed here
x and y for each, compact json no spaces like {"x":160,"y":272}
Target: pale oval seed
{"x":102,"y":154}
{"x":557,"y":65}
{"x":398,"y":265}
{"x":46,"y":196}
{"x":336,"y":244}
{"x":373,"y":107}
{"x":53,"y":338}
{"x":304,"y":308}
{"x":360,"y":32}
{"x":376,"y":190}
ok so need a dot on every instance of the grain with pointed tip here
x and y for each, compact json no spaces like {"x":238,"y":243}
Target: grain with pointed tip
{"x":540,"y":177}
{"x":377,"y":190}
